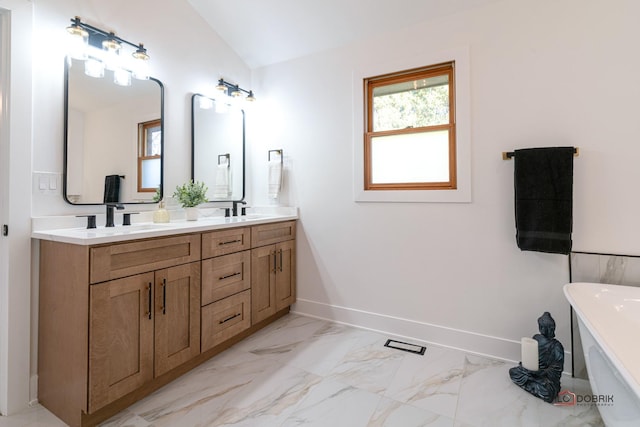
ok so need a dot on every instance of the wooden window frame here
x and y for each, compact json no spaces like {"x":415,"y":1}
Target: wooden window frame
{"x":142,"y":142}
{"x":399,"y":77}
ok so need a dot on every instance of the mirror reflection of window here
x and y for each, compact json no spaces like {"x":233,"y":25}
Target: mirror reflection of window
{"x":149,"y":154}
{"x":103,"y":136}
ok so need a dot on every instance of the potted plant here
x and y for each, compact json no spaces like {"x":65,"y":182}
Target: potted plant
{"x":190,"y":195}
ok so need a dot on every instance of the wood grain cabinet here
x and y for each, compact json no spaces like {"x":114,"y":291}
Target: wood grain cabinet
{"x":140,"y":327}
{"x":120,"y":320}
{"x":226,"y":306}
{"x":273,"y":279}
{"x":112,"y":318}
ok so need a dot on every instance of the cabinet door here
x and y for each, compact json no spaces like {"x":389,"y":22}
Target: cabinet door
{"x":120,"y":338}
{"x":285,"y":274}
{"x":177,"y":316}
{"x":263,"y":276}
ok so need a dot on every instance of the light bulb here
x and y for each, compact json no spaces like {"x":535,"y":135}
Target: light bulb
{"x":94,"y":68}
{"x":122,"y":77}
{"x":205,"y":103}
{"x":78,"y":41}
{"x":112,"y":56}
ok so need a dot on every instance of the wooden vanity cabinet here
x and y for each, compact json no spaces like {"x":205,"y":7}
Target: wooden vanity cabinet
{"x":113,"y":317}
{"x":273,"y":279}
{"x":141,"y":327}
{"x":119,"y":320}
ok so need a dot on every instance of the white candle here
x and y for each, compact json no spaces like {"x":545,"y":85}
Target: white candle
{"x":530,"y":354}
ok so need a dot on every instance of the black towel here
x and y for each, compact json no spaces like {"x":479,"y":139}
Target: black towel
{"x":112,"y":189}
{"x":543,"y":179}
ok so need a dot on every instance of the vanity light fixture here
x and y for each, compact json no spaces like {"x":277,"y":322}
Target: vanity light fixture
{"x":79,"y":40}
{"x":102,"y":49}
{"x":235,"y":91}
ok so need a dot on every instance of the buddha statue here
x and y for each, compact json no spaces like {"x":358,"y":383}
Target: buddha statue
{"x":545,"y":382}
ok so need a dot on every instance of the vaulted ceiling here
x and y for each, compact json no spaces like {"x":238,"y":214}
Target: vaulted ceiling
{"x":264,"y":32}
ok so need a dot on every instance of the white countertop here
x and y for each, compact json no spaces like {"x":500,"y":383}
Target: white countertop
{"x":57,"y":228}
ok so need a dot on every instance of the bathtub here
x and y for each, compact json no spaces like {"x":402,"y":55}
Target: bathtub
{"x":609,"y":323}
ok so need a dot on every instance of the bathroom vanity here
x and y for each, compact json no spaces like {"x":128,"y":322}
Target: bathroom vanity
{"x":123,"y":312}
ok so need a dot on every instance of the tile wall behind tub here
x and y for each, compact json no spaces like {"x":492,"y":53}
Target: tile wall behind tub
{"x":599,"y":268}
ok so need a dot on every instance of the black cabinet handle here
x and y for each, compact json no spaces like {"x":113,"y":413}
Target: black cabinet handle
{"x":230,"y":317}
{"x":150,"y":301}
{"x":275,"y":268}
{"x":229,"y":275}
{"x":164,"y":296}
{"x":280,"y":260}
{"x":229,"y":242}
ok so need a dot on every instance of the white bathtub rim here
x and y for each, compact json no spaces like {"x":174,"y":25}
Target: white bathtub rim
{"x":617,"y":360}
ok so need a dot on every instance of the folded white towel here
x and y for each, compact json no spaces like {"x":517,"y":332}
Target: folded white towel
{"x":222,"y":186}
{"x":275,"y":178}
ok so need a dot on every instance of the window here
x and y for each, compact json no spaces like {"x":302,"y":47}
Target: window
{"x":149,"y":155}
{"x":410,"y":137}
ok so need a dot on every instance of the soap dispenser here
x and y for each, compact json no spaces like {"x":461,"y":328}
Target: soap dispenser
{"x":161,"y":214}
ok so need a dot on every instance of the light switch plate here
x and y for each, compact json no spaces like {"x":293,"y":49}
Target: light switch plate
{"x":46,"y":183}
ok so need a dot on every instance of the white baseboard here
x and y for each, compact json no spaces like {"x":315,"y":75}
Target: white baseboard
{"x":411,"y":330}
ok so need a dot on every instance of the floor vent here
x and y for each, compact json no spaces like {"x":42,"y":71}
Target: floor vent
{"x":405,"y":346}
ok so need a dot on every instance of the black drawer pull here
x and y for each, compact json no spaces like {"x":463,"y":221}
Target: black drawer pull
{"x":164,"y":296}
{"x":150,"y":307}
{"x":229,"y":275}
{"x":229,"y":242}
{"x":275,"y":268}
{"x":230,"y":317}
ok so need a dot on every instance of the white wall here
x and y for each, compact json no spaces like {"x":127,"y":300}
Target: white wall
{"x":15,"y":181}
{"x":543,"y":73}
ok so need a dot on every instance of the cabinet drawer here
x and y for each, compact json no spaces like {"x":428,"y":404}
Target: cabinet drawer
{"x":225,"y":242}
{"x":224,"y":276}
{"x":126,"y":259}
{"x":223,"y":319}
{"x":268,"y":234}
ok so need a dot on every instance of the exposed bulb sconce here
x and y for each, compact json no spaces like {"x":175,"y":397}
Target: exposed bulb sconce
{"x":79,"y":40}
{"x":235,"y":91}
{"x":102,"y":49}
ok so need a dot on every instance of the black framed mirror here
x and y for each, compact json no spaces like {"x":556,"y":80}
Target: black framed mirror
{"x":113,"y":141}
{"x":218,"y":148}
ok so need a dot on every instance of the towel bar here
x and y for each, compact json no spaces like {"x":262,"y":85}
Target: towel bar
{"x":508,"y":155}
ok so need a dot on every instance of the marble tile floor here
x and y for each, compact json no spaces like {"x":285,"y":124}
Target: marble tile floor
{"x":301,"y":371}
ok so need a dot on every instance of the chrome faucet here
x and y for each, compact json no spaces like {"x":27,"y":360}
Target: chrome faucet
{"x":110,"y":210}
{"x":234,"y":209}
